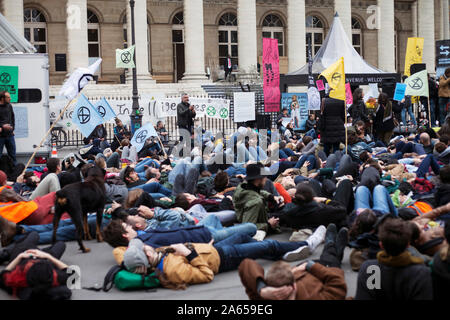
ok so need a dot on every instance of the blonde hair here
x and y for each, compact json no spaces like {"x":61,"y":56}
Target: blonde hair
{"x":133,"y":196}
{"x":279,"y":275}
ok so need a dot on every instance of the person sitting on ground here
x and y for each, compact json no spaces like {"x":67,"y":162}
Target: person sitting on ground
{"x":426,"y":142}
{"x":251,"y":201}
{"x":314,"y":280}
{"x":50,"y":182}
{"x":162,"y":132}
{"x":400,"y":275}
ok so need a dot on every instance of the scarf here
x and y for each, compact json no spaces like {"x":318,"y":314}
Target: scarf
{"x":402,"y":260}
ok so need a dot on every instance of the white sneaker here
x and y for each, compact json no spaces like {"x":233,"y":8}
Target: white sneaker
{"x":298,"y":254}
{"x":316,"y":238}
{"x":260,"y":235}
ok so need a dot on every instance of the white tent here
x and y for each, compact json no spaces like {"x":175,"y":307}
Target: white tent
{"x":11,"y":41}
{"x":338,"y":45}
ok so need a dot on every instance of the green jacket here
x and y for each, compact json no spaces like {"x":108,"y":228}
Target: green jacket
{"x":251,"y":206}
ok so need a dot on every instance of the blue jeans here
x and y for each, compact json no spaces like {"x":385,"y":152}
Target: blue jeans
{"x":430,"y":160}
{"x":239,"y":247}
{"x":411,"y":114}
{"x":140,"y":167}
{"x":220,"y":233}
{"x":10,"y":144}
{"x":442,"y":112}
{"x":183,"y":166}
{"x":66,"y":230}
{"x":155,"y":189}
{"x":380,"y":200}
{"x":282,"y":154}
{"x":303,"y":159}
{"x":232,"y":171}
{"x":311,"y":133}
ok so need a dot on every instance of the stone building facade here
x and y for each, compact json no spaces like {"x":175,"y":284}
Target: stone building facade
{"x":170,"y":48}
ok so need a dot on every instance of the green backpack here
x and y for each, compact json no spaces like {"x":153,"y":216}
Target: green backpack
{"x":125,"y":280}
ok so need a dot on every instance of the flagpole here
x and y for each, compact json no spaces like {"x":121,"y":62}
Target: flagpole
{"x":346,"y":137}
{"x":162,"y":146}
{"x":48,"y":132}
{"x":429,"y":113}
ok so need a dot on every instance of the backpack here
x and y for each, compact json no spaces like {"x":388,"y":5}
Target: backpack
{"x":125,"y":280}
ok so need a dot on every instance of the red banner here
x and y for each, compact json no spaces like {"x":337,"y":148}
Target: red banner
{"x":271,"y":75}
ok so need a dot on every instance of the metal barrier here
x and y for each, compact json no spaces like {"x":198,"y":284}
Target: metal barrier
{"x":73,"y":138}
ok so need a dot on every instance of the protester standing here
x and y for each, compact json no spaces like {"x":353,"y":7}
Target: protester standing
{"x":444,"y":95}
{"x":228,"y":67}
{"x":185,"y":114}
{"x":332,"y":128}
{"x":384,"y":119}
{"x":7,"y":124}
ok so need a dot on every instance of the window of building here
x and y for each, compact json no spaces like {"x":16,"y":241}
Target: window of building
{"x":178,"y":28}
{"x":228,"y":39}
{"x":273,"y":28}
{"x":125,"y":32}
{"x":314,"y":33}
{"x":93,"y":35}
{"x":35,"y":29}
{"x":357,"y":36}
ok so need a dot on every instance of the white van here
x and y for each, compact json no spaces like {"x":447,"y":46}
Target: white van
{"x":32,"y":109}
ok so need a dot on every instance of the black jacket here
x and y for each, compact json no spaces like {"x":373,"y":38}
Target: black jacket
{"x":440,"y":274}
{"x":411,"y":282}
{"x":7,"y":117}
{"x":333,"y":121}
{"x":312,"y":215}
{"x":442,"y":195}
{"x":383,"y":125}
{"x":185,"y":117}
{"x":358,"y":111}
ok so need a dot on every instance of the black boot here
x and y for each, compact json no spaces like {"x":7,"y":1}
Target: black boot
{"x":7,"y":231}
{"x":331,"y":234}
{"x":341,"y":243}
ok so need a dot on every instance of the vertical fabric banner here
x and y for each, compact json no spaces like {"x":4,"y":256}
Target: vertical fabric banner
{"x":271,"y":75}
{"x":414,"y":53}
{"x":348,"y":94}
{"x":314,"y":100}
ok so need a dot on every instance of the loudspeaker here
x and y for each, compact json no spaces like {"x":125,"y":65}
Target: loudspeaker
{"x":388,"y":86}
{"x":417,"y":67}
{"x":263,"y":121}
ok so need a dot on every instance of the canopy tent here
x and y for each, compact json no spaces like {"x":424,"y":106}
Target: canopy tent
{"x":335,"y":46}
{"x":11,"y":41}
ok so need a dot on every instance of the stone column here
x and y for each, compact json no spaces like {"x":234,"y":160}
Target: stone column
{"x":247,"y":39}
{"x":386,"y":39}
{"x":344,"y":9}
{"x":141,"y":36}
{"x":77,"y":41}
{"x":445,"y":27}
{"x":414,"y":18}
{"x":13,"y":12}
{"x":296,"y":34}
{"x":194,"y":42}
{"x":426,"y":27}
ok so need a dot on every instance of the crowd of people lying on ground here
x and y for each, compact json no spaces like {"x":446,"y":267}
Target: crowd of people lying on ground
{"x":175,"y":221}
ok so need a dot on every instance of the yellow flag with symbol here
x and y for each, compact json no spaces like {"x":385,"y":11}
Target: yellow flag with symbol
{"x":414,"y":53}
{"x":335,"y":75}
